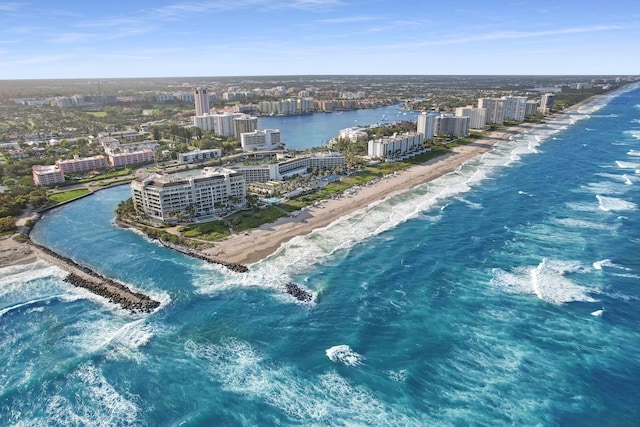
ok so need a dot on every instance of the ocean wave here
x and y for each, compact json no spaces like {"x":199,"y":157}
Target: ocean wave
{"x":94,"y":402}
{"x":548,"y":281}
{"x":609,"y":204}
{"x":344,"y":355}
{"x":607,"y":263}
{"x":627,"y":165}
{"x":322,"y":399}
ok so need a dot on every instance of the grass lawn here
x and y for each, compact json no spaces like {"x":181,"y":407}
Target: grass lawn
{"x":65,"y":196}
{"x":240,"y":221}
{"x":97,"y":113}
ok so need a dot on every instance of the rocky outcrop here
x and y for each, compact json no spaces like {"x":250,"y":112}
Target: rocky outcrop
{"x":298,"y":293}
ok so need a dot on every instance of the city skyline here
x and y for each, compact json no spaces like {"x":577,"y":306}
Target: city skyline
{"x":115,"y":39}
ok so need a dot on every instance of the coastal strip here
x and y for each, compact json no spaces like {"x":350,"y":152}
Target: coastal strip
{"x":86,"y":278}
{"x":267,"y":239}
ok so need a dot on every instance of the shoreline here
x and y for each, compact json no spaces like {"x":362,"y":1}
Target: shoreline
{"x":267,"y":239}
{"x":258,"y":244}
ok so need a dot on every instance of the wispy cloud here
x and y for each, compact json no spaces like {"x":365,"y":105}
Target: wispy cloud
{"x":349,"y":19}
{"x":507,"y":35}
{"x":10,"y":7}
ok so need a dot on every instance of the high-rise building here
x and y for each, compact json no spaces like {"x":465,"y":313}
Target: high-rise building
{"x":448,"y":124}
{"x":546,"y":103}
{"x":47,"y":175}
{"x":495,"y":109}
{"x":244,"y":124}
{"x":426,"y":123}
{"x":201,"y":97}
{"x":223,"y":123}
{"x":477,"y":116}
{"x":515,"y":107}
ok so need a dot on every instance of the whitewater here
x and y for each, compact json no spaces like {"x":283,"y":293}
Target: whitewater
{"x":504,"y":293}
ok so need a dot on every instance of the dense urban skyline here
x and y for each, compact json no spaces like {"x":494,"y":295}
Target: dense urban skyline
{"x":72,"y":39}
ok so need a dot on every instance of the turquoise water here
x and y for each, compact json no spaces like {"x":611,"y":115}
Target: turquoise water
{"x":469,"y":300}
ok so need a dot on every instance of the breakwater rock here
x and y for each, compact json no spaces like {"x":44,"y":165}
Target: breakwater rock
{"x":298,"y":293}
{"x":86,"y":278}
{"x":238,"y":268}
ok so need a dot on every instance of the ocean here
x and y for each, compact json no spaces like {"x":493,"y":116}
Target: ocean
{"x":504,"y":293}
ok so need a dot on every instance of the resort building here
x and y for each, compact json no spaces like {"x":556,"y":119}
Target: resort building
{"x":201,"y":98}
{"x":426,"y":124}
{"x":267,"y":139}
{"x":131,"y":157}
{"x":199,"y":156}
{"x":82,"y":164}
{"x":397,"y":146}
{"x":477,"y":116}
{"x":450,"y":125}
{"x":167,"y":197}
{"x":47,"y":175}
{"x":278,"y":171}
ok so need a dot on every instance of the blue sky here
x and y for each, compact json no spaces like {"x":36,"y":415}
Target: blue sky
{"x":116,"y":38}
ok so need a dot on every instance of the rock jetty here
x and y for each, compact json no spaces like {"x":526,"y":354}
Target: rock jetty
{"x":86,"y":278}
{"x":238,"y":268}
{"x":298,"y":293}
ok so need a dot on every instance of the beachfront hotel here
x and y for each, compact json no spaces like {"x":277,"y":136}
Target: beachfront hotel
{"x":397,"y":146}
{"x":47,"y":175}
{"x":281,"y":170}
{"x":167,"y":197}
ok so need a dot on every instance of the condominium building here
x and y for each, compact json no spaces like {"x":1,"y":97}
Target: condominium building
{"x":203,"y":122}
{"x":201,"y":98}
{"x":131,"y":157}
{"x":199,"y":156}
{"x":244,"y":124}
{"x":515,"y":107}
{"x":396,"y":146}
{"x":477,"y":116}
{"x":267,"y":139}
{"x":165,"y":197}
{"x":531,"y":108}
{"x":82,"y":164}
{"x":495,"y":109}
{"x":546,"y":102}
{"x":223,"y":123}
{"x":47,"y":175}
{"x":450,"y":125}
{"x":426,"y":123}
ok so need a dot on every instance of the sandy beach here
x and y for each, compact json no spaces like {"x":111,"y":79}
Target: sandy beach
{"x":266,"y":240}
